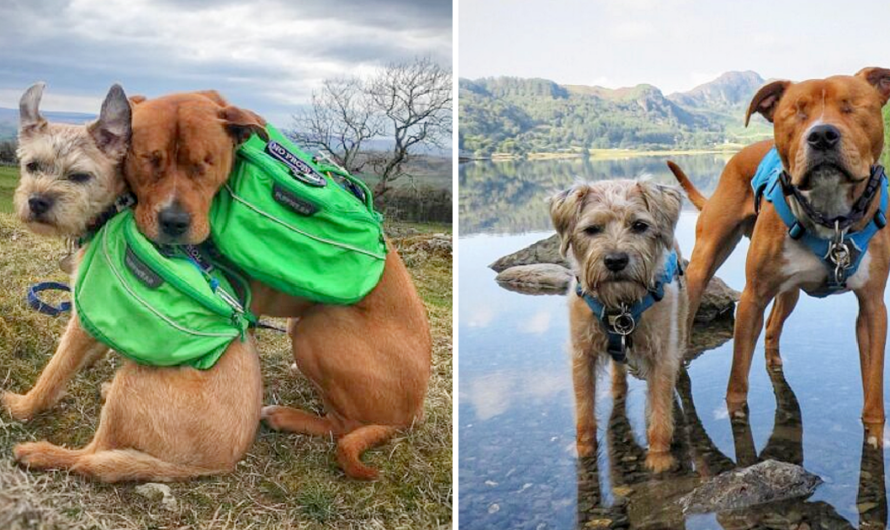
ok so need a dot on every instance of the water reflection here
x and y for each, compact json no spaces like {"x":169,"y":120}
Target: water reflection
{"x":517,"y":464}
{"x":499,"y":197}
{"x":641,"y":500}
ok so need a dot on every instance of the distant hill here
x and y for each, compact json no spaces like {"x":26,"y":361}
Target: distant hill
{"x":515,"y":115}
{"x":9,"y":120}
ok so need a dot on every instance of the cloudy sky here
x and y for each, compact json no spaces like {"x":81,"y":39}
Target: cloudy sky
{"x":673,"y":44}
{"x":266,"y":55}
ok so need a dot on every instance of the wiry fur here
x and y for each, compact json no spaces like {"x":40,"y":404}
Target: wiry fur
{"x":158,"y":424}
{"x":59,"y":151}
{"x":658,"y":341}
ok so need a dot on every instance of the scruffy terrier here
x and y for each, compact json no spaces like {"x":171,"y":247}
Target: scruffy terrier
{"x":628,"y":301}
{"x":158,"y":424}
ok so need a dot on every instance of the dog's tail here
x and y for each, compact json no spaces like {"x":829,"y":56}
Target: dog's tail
{"x":351,"y":447}
{"x":695,"y":197}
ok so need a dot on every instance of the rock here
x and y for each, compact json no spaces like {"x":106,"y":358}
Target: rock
{"x":158,"y":492}
{"x":544,"y":251}
{"x":717,"y":300}
{"x":767,"y":481}
{"x":536,"y":278}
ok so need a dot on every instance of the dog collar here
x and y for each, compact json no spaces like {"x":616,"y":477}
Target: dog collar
{"x":120,"y":204}
{"x":842,"y":254}
{"x":620,"y":323}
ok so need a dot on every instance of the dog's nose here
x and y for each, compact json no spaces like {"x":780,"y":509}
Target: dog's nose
{"x":824,"y":137}
{"x":39,"y":204}
{"x":174,"y":221}
{"x":616,"y":261}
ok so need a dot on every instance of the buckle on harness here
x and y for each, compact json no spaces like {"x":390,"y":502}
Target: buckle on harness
{"x":622,"y":323}
{"x":839,"y":254}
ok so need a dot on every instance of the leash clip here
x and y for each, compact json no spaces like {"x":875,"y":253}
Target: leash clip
{"x":622,"y":323}
{"x":839,"y":253}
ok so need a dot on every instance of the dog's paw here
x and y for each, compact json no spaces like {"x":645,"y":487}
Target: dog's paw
{"x":658,"y":462}
{"x":586,"y":448}
{"x":31,"y":455}
{"x":17,"y":405}
{"x":773,"y":360}
{"x":274,"y":415}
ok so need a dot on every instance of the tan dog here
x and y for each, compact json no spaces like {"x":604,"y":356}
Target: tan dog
{"x":828,"y":133}
{"x":370,"y":361}
{"x":619,"y":235}
{"x":158,"y":424}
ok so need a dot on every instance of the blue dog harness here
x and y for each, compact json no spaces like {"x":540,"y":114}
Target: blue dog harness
{"x":841,"y":254}
{"x":620,"y":323}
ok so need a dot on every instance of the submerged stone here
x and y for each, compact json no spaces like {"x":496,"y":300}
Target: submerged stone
{"x":768,"y":481}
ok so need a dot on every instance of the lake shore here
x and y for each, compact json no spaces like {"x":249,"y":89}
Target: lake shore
{"x":607,"y":154}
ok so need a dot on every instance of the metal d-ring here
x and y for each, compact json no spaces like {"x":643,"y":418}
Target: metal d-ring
{"x":623,"y":323}
{"x":839,"y":253}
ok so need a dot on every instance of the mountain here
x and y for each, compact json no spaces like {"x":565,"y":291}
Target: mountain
{"x":518,"y":116}
{"x":730,"y":90}
{"x":9,"y":120}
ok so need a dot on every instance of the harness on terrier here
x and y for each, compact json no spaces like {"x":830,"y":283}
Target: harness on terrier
{"x":305,"y":228}
{"x":620,"y":323}
{"x":842,"y":254}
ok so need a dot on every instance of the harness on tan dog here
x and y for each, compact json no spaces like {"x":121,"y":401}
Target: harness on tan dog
{"x":620,"y":323}
{"x":842,"y":254}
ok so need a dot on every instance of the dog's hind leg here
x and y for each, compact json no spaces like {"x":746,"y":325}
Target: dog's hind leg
{"x":351,"y":447}
{"x":297,"y":421}
{"x":76,"y":350}
{"x":782,"y":308}
{"x":129,"y":464}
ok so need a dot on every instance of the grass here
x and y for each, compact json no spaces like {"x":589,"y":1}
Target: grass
{"x":9,"y":179}
{"x":285,"y":481}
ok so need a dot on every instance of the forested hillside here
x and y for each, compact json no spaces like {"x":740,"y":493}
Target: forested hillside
{"x":520,"y":116}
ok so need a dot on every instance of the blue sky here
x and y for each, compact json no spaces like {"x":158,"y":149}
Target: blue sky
{"x":673,"y":44}
{"x":266,"y":55}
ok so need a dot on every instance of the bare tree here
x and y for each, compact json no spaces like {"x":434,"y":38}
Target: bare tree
{"x":342,"y":117}
{"x":407,"y":103}
{"x":416,"y":100}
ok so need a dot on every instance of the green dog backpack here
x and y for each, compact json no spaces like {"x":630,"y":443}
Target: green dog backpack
{"x":156,"y":309}
{"x":286,"y":220}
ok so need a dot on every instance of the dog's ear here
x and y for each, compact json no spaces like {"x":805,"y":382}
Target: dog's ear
{"x":766,"y":100}
{"x":242,"y":123}
{"x":564,"y":209}
{"x":111,"y":131}
{"x":878,"y":78}
{"x":30,"y":120}
{"x":664,"y":203}
{"x":136,"y":100}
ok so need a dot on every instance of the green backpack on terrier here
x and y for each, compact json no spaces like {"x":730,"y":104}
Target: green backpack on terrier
{"x":304,"y":228}
{"x":160,"y":309}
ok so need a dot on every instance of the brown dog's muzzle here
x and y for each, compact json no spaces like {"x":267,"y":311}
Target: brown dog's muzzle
{"x":174,"y":222}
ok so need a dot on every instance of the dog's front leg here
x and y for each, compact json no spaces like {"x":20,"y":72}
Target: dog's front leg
{"x":584,"y":380}
{"x":872,"y":322}
{"x":660,"y":384}
{"x":76,"y":349}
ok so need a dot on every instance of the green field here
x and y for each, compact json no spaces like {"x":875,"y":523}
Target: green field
{"x":285,"y":481}
{"x":9,"y":179}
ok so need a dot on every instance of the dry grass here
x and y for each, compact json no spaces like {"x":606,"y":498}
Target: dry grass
{"x":286,"y":481}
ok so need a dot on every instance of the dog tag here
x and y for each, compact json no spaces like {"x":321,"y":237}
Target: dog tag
{"x":66,"y":263}
{"x":299,"y":169}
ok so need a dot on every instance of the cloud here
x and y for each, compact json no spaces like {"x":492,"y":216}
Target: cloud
{"x":268,"y":55}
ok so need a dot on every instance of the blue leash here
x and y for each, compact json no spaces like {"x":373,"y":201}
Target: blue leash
{"x":43,"y":307}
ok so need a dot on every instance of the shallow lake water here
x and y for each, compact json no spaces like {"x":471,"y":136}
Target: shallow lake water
{"x":518,"y":467}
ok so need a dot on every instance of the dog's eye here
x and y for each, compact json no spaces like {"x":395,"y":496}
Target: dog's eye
{"x":593,"y":230}
{"x":79,"y":178}
{"x":639,"y":227}
{"x":32,"y":167}
{"x":846,"y":107}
